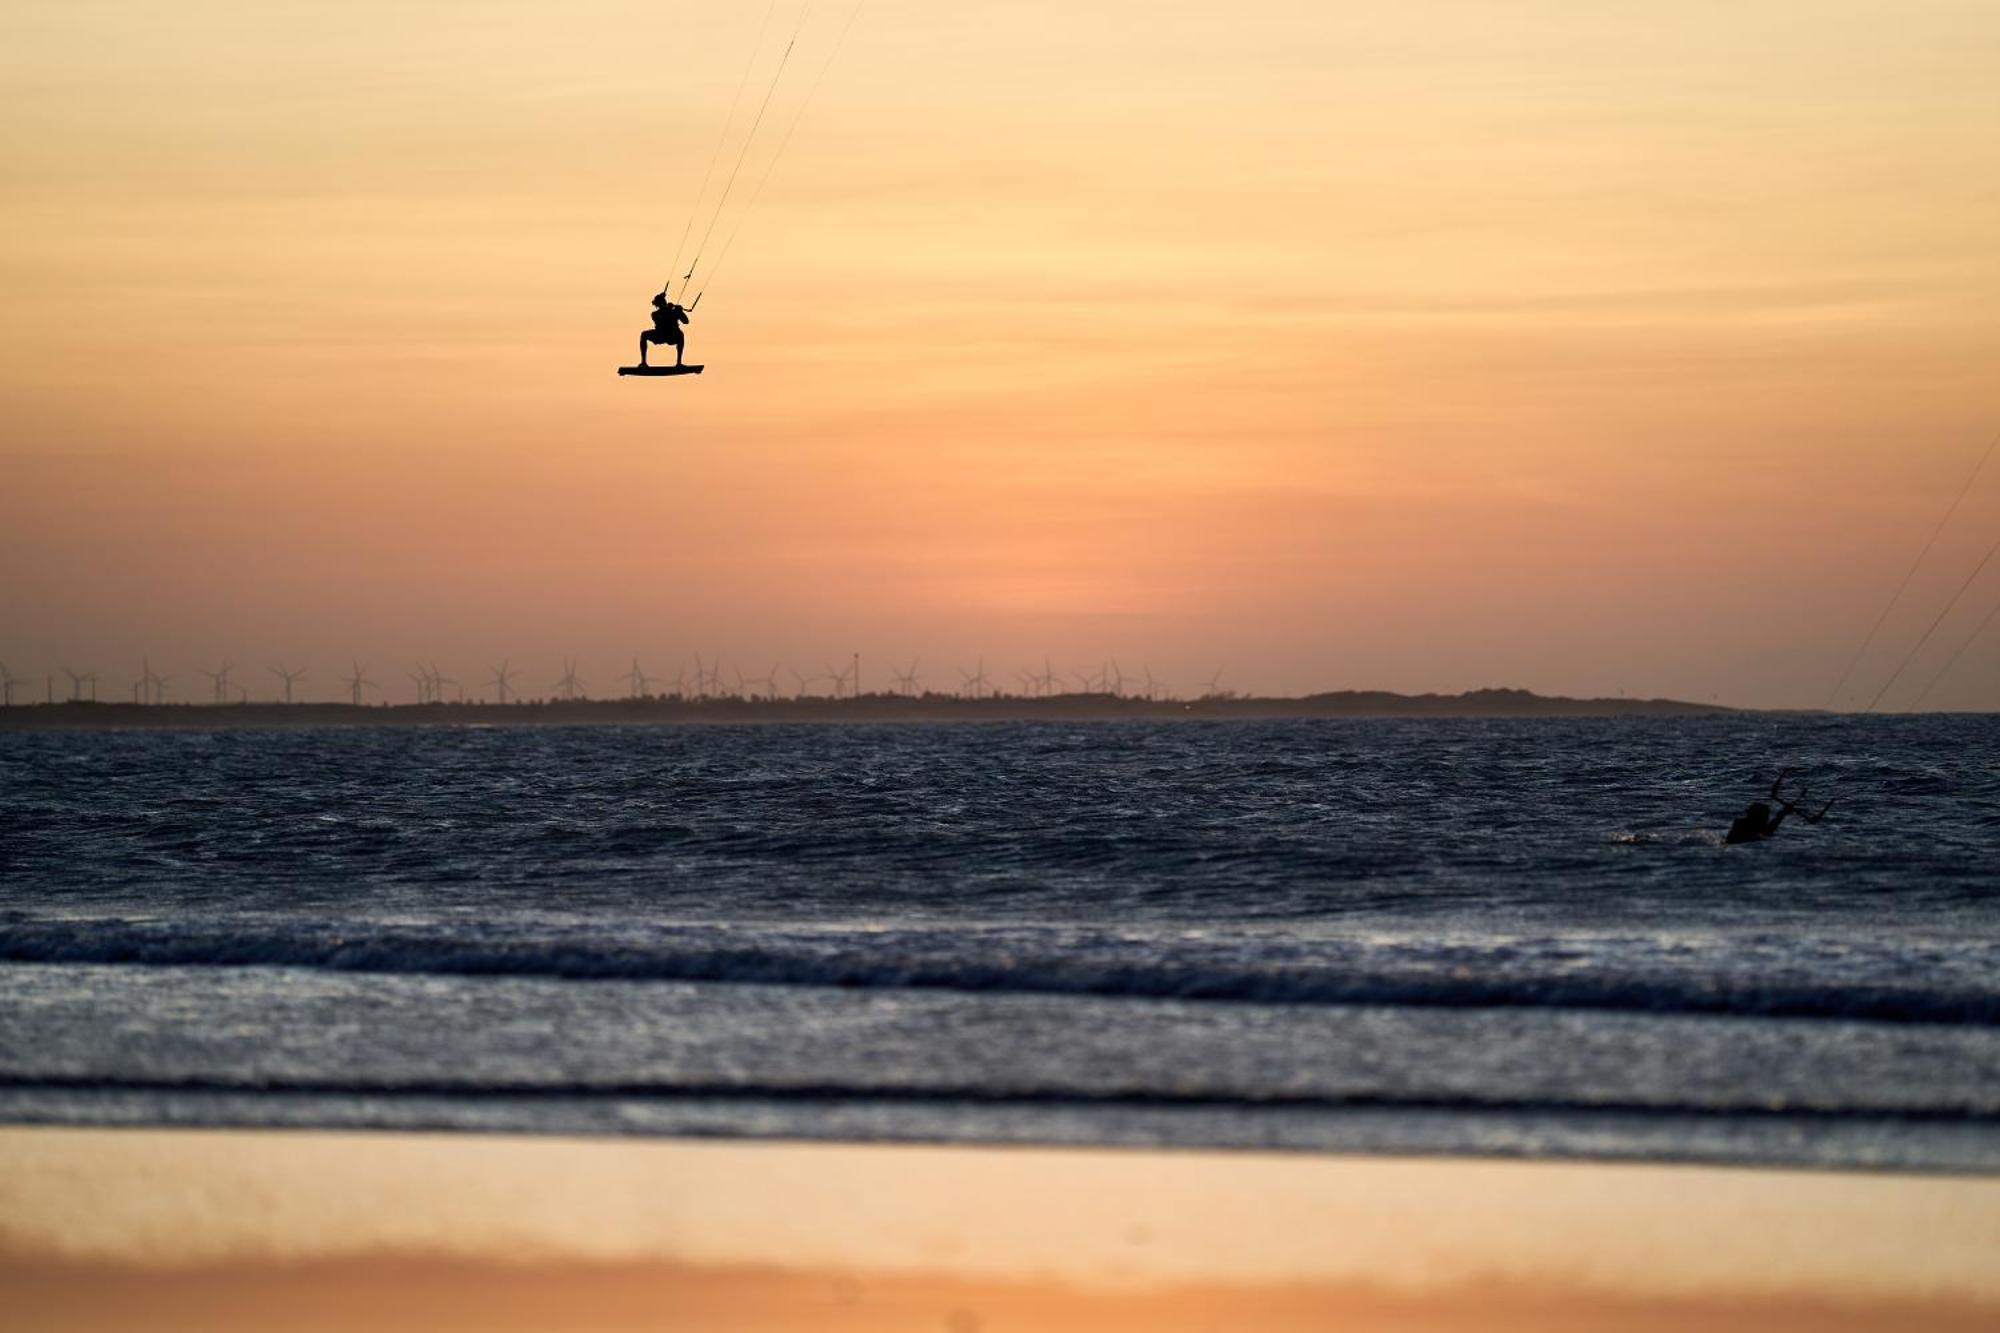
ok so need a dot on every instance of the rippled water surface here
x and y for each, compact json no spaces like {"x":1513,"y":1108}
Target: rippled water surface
{"x":1459,"y":934}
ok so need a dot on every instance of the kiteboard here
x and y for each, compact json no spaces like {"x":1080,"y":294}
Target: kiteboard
{"x":659,"y":370}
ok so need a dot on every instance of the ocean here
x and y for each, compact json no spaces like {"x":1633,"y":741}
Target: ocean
{"x":1518,"y":937}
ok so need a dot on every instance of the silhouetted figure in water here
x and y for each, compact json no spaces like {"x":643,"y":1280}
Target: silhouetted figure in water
{"x":1758,"y":822}
{"x":668,"y":316}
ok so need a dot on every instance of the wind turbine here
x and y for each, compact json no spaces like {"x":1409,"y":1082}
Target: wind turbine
{"x":1212,"y":687}
{"x":77,"y":680}
{"x":422,"y":677}
{"x":219,"y":680}
{"x":700,"y":678}
{"x":1117,"y":680}
{"x":1047,"y":678}
{"x":975,"y":679}
{"x":637,"y":680}
{"x":839,"y":679}
{"x":906,"y":681}
{"x":357,"y":682}
{"x":770,"y":682}
{"x":290,"y":675}
{"x":151,"y":689}
{"x":503,"y":681}
{"x":1153,"y":687}
{"x":569,"y":684}
{"x":439,"y":680}
{"x":680,"y":683}
{"x":802,"y":684}
{"x":7,"y":683}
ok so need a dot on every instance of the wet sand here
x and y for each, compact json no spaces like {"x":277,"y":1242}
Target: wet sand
{"x":169,"y":1230}
{"x":449,"y":1297}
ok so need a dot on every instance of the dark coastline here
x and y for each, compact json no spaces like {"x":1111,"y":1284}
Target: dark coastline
{"x":867,"y":709}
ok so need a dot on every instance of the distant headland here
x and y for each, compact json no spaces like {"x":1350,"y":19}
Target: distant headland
{"x":665,"y":710}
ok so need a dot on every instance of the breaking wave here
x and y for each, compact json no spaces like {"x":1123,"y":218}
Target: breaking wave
{"x":1769,"y":975}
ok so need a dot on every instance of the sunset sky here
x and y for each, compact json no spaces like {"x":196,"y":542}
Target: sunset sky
{"x":1579,"y":345}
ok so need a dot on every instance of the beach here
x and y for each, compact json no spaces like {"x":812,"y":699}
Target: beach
{"x":1137,"y":1025}
{"x":307,"y":1231}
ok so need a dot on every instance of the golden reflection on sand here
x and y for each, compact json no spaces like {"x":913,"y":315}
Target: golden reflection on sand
{"x":264,"y":1230}
{"x":448,"y":1297}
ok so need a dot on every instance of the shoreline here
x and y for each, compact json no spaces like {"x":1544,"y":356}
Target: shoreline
{"x":867,"y":709}
{"x":1938,"y":1146}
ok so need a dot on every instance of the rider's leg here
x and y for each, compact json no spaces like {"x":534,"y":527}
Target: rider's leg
{"x":642,"y":349}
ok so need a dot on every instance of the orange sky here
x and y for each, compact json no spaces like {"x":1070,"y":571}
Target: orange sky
{"x":1580,"y":345}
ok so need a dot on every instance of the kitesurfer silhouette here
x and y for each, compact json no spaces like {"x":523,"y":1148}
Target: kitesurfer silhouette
{"x":668,"y":316}
{"x":1757,"y":822}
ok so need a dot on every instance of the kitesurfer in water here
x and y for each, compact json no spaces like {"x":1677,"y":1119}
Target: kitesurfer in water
{"x":1758,"y":822}
{"x":668,"y":316}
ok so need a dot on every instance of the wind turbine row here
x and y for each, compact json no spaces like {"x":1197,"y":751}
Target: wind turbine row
{"x":842,"y":682}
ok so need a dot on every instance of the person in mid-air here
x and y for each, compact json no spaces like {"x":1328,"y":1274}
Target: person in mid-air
{"x":668,"y":316}
{"x":1758,"y":822}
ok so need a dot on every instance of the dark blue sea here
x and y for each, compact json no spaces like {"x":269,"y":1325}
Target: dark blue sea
{"x":1493,"y":937}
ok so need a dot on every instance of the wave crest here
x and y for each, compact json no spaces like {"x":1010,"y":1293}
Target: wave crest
{"x":1757,"y":975}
